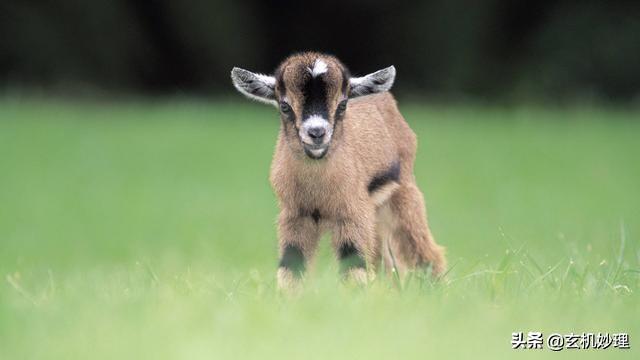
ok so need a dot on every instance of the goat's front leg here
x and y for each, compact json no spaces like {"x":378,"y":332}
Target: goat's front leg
{"x":355,"y":245}
{"x":298,"y":239}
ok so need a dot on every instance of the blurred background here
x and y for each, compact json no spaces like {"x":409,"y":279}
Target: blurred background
{"x":503,"y":50}
{"x":137,"y":219}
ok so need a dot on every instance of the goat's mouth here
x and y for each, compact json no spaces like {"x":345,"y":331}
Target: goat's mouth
{"x":315,"y":151}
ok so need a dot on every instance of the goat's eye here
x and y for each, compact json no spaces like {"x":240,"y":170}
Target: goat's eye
{"x":284,"y":107}
{"x":342,"y":106}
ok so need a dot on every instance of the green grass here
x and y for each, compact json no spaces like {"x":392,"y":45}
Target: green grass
{"x":146,"y":231}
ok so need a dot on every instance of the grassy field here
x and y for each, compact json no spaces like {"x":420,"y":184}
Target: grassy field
{"x":140,"y":230}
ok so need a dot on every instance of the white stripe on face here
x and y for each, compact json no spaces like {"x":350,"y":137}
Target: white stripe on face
{"x":319,"y":68}
{"x":315,"y":121}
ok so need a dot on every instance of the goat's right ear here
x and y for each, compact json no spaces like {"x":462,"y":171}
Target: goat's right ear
{"x":255,"y":86}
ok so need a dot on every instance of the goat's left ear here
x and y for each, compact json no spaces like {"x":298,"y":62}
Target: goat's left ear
{"x":255,"y":86}
{"x":379,"y":81}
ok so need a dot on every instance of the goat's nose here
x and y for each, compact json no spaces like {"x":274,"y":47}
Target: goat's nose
{"x":316,"y":133}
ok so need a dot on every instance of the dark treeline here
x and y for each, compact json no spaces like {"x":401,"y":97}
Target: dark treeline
{"x":491,"y":49}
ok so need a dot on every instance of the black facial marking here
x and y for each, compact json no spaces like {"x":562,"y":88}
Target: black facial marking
{"x":385,"y":177}
{"x":315,"y":97}
{"x":292,"y":259}
{"x":350,"y":257}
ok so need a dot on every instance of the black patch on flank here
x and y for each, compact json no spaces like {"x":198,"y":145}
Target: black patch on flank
{"x":350,"y":257}
{"x":315,"y":97}
{"x":385,"y":177}
{"x":292,"y":259}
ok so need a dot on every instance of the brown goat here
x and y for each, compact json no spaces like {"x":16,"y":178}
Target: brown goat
{"x":343,"y":163}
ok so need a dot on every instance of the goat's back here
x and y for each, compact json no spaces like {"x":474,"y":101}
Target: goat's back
{"x":376,"y":135}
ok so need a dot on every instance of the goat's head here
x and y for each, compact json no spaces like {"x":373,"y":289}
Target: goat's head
{"x":311,"y":91}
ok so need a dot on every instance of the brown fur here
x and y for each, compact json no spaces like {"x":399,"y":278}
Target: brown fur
{"x":332,"y":195}
{"x":372,"y":135}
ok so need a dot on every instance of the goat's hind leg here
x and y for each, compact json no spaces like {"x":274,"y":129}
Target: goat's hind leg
{"x":412,"y":236}
{"x":388,"y":247}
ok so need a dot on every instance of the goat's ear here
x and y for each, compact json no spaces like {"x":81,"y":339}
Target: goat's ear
{"x":255,"y":86}
{"x":379,"y":81}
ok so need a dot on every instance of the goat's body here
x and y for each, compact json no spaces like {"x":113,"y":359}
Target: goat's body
{"x":364,"y":192}
{"x":343,"y":163}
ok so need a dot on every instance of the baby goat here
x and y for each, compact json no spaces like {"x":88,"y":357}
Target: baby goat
{"x":343,"y":163}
